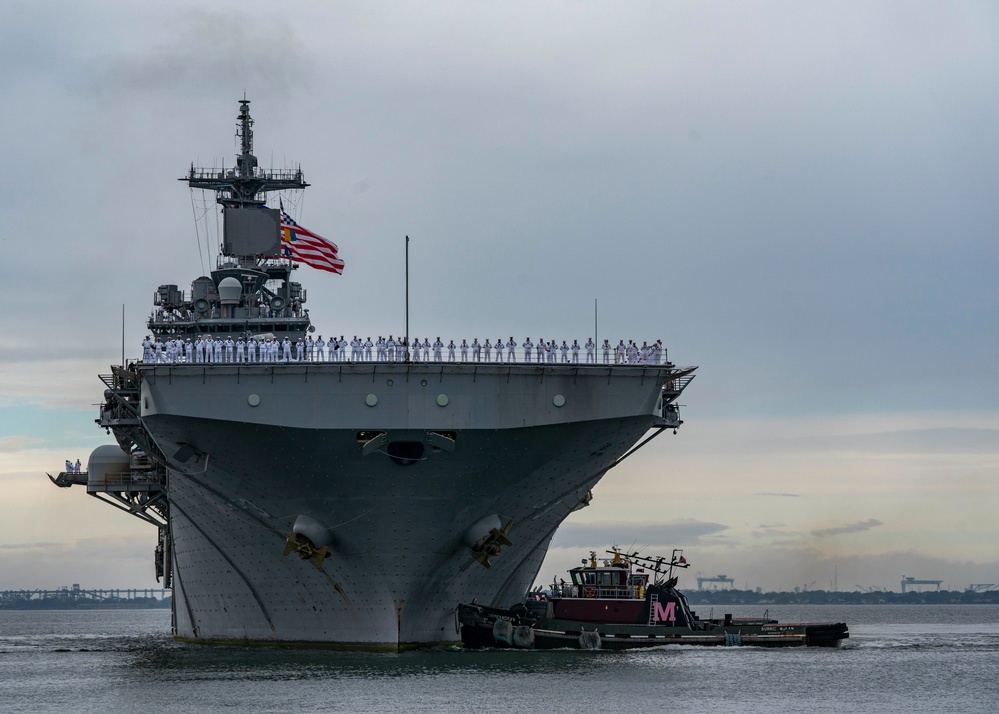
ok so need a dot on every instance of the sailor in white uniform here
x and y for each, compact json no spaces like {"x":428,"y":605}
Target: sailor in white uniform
{"x":541,"y":349}
{"x":240,"y":350}
{"x":438,"y":346}
{"x":368,"y":344}
{"x":511,"y":350}
{"x":590,"y":357}
{"x":189,"y":351}
{"x":475,"y":349}
{"x":487,"y":346}
{"x":528,"y":346}
{"x":575,"y":351}
{"x":230,"y":348}
{"x":464,"y":351}
{"x":300,"y":350}
{"x":310,"y":348}
{"x":450,"y":351}
{"x":606,"y":349}
{"x":499,"y":349}
{"x":286,"y":350}
{"x":321,"y":349}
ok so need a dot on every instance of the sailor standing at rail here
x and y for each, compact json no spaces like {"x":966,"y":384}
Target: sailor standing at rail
{"x":300,"y":350}
{"x":488,"y":348}
{"x":511,"y":350}
{"x":286,"y":349}
{"x":230,"y":348}
{"x":619,"y":352}
{"x":321,"y":349}
{"x":147,"y":350}
{"x":450,"y":351}
{"x":368,"y":344}
{"x":541,"y":350}
{"x":240,"y":350}
{"x":528,"y":348}
{"x":189,"y":351}
{"x":606,"y":349}
{"x":499,"y":349}
{"x":310,"y":348}
{"x":251,"y":350}
{"x":355,"y":350}
{"x":219,"y":350}
{"x":464,"y":351}
{"x":416,"y":351}
{"x":590,"y":357}
{"x":575,"y":351}
{"x":475,"y":348}
{"x":438,"y":346}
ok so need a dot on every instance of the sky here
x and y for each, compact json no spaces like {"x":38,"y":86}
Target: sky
{"x":797,"y":197}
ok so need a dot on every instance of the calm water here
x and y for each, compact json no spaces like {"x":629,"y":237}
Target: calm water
{"x":898,"y":659}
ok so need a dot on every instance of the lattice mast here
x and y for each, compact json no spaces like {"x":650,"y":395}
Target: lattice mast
{"x":245,"y":185}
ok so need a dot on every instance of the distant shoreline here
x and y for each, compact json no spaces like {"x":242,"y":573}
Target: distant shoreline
{"x":65,"y":604}
{"x":826,"y":597}
{"x":695,"y":597}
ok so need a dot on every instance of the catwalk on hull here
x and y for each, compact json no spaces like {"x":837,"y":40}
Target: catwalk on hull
{"x":403,"y":487}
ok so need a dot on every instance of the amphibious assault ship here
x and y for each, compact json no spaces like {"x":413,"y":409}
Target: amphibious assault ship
{"x":346,"y":503}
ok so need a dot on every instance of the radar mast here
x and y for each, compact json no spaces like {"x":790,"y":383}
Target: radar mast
{"x":246,"y":184}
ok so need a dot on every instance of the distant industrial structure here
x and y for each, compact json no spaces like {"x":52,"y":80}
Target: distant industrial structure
{"x":75,"y":595}
{"x":908,"y":582}
{"x":715,"y":579}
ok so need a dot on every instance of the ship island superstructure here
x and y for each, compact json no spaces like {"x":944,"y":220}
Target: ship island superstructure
{"x":348,"y":504}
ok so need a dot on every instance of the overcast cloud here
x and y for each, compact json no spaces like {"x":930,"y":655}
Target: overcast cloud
{"x":797,"y":197}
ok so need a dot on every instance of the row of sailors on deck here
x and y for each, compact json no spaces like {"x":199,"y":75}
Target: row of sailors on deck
{"x":205,"y":349}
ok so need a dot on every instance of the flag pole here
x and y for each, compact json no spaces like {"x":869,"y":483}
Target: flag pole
{"x":407,"y":298}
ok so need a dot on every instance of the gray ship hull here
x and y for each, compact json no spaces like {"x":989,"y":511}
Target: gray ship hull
{"x":401,"y":463}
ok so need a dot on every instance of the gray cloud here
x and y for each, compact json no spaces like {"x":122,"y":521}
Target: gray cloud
{"x":629,"y":533}
{"x":858,"y":527}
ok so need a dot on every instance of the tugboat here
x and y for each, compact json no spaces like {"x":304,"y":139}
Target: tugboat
{"x":625,"y":603}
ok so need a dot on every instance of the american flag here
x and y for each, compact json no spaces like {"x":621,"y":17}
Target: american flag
{"x":304,"y":246}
